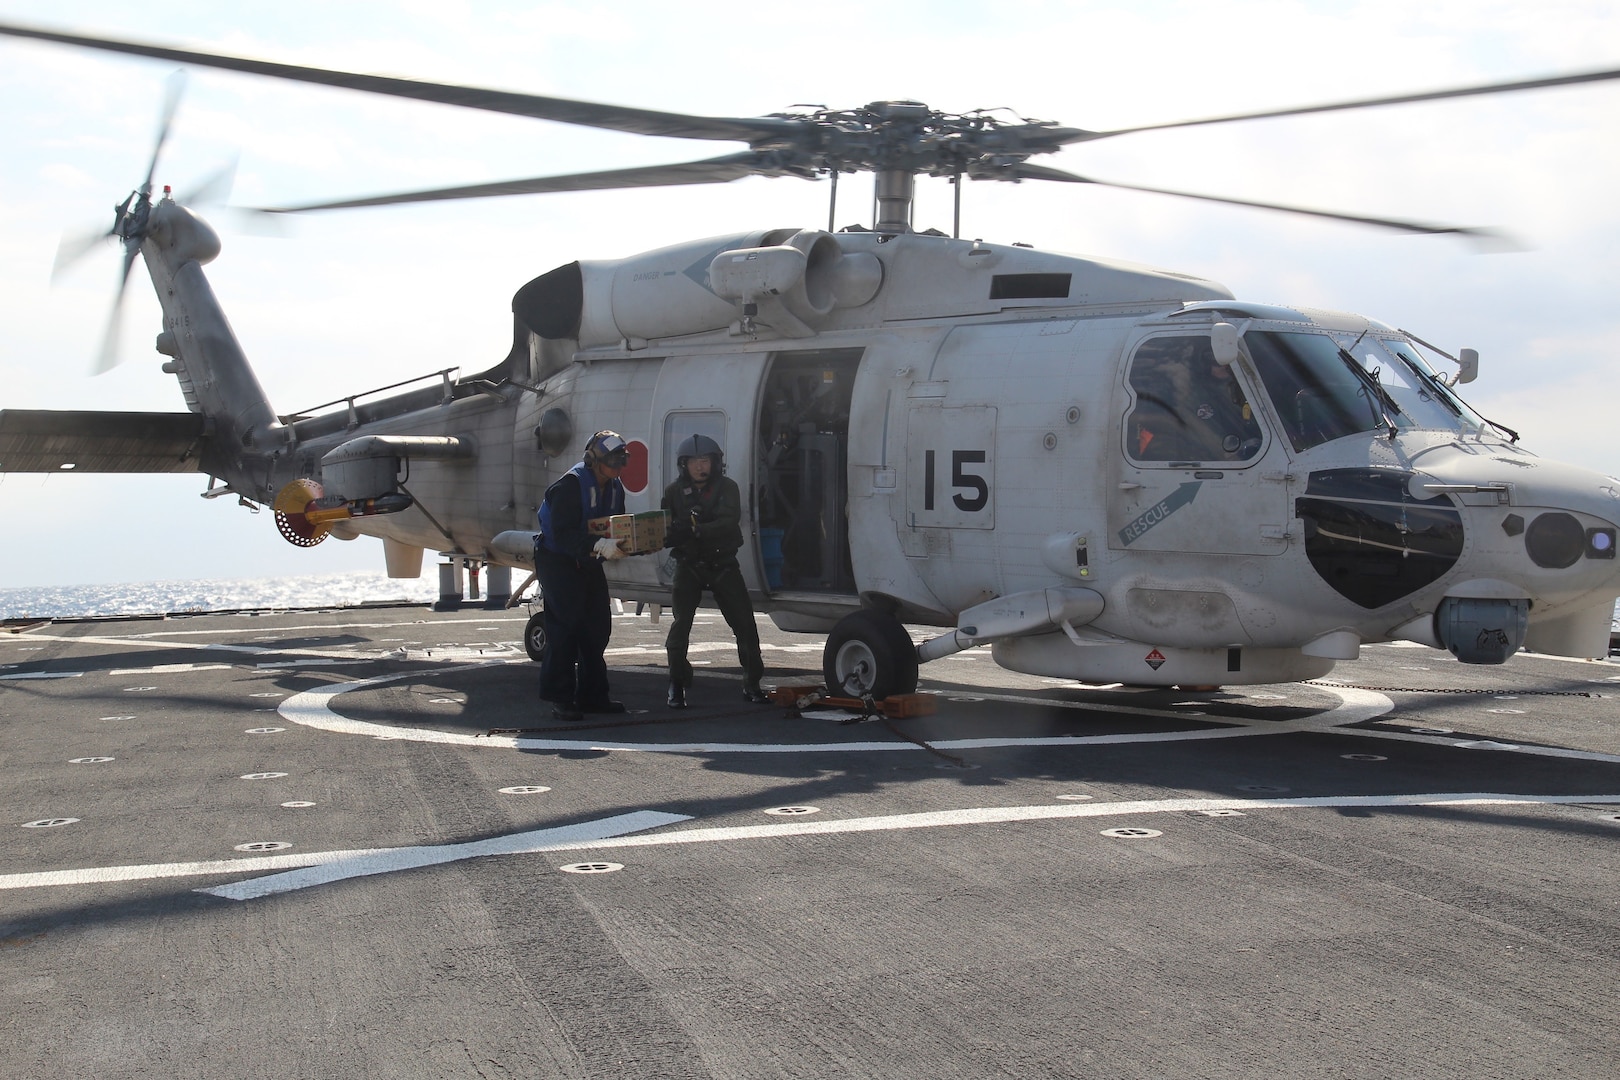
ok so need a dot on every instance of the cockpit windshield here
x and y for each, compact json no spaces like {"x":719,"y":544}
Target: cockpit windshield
{"x":1317,"y":394}
{"x":1325,"y":387}
{"x":1429,"y":401}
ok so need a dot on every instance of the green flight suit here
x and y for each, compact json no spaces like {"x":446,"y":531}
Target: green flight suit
{"x":705,"y":547}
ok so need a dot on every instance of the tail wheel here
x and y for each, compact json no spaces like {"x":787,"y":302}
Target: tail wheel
{"x":869,"y":654}
{"x":534,"y":636}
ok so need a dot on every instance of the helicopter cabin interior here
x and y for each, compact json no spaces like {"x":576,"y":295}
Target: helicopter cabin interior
{"x":801,"y":486}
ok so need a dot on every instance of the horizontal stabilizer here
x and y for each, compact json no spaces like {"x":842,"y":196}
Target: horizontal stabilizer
{"x":47,"y":441}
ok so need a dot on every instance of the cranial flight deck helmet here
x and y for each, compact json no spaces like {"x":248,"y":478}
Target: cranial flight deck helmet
{"x":607,"y":448}
{"x":701,"y":446}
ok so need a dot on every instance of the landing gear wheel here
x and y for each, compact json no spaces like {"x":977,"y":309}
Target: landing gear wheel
{"x":869,"y":654}
{"x":534,"y":636}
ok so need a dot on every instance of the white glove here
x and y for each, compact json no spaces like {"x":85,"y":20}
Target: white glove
{"x":607,"y":549}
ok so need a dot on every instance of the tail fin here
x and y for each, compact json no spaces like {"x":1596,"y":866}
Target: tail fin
{"x":203,"y":352}
{"x":230,"y":432}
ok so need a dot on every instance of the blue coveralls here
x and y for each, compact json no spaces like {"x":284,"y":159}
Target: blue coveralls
{"x":578,"y":617}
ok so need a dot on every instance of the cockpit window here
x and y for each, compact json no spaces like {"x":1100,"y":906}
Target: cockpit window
{"x":1188,"y":409}
{"x":1430,"y":402}
{"x":1317,"y":396}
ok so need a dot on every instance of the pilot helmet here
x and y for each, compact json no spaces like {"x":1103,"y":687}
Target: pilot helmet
{"x":701,"y":446}
{"x":607,"y":448}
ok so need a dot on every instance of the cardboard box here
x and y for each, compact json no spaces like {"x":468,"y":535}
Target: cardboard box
{"x":638,"y":534}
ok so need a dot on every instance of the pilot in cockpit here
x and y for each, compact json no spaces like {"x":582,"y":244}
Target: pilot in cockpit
{"x":1188,"y":407}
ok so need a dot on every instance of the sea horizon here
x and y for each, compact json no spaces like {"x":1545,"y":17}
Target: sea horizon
{"x":110,"y":600}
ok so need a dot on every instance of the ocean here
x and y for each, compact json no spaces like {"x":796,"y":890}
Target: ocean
{"x":233,"y":594}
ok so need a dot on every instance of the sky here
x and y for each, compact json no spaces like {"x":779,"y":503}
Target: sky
{"x":347,"y":301}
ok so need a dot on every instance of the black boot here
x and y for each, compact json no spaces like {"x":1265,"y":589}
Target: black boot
{"x":752,"y":693}
{"x":677,"y":696}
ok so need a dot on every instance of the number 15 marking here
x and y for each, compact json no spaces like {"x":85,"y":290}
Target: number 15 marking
{"x":960,"y":479}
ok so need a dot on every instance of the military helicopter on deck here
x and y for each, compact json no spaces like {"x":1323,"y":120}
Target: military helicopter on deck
{"x":1107,"y":472}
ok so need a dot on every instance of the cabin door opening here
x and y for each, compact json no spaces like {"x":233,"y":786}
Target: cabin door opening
{"x":803,"y":488}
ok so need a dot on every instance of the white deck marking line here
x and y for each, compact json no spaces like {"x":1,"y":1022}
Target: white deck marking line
{"x":41,"y":675}
{"x":148,"y":643}
{"x":167,"y":669}
{"x":313,"y":708}
{"x":321,"y":867}
{"x":1002,"y":814}
{"x":1464,"y":743}
{"x":314,"y":868}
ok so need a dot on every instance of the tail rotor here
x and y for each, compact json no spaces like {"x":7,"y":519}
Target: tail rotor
{"x":129,"y":226}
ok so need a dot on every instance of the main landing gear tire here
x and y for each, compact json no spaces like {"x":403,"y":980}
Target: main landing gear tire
{"x":869,"y":654}
{"x":534,"y":636}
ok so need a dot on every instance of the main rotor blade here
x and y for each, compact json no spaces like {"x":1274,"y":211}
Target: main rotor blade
{"x":1074,"y":135}
{"x":562,"y":110}
{"x":1489,"y":238}
{"x":718,"y":170}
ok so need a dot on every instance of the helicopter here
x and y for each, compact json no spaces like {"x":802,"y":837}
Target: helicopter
{"x":1107,"y":473}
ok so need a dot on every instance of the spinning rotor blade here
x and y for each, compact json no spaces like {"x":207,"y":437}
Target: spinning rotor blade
{"x":718,"y":170}
{"x":562,"y":110}
{"x":107,"y":358}
{"x":1489,"y":238}
{"x":129,"y":226}
{"x":1073,"y":135}
{"x":213,"y":188}
{"x":75,"y":247}
{"x":171,"y":102}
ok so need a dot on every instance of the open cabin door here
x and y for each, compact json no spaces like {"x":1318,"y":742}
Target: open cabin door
{"x":802,"y":471}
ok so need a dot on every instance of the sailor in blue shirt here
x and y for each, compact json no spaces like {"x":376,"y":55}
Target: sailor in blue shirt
{"x":568,"y":561}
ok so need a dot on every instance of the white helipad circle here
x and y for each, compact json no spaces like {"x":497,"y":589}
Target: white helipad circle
{"x":263,"y":730}
{"x":1131,"y":833}
{"x":49,"y":823}
{"x":524,"y":789}
{"x":591,"y":867}
{"x":793,"y":811}
{"x":314,"y":708}
{"x":88,"y":760}
{"x":297,"y":804}
{"x":261,"y":775}
{"x":263,"y":845}
{"x":268,"y":693}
